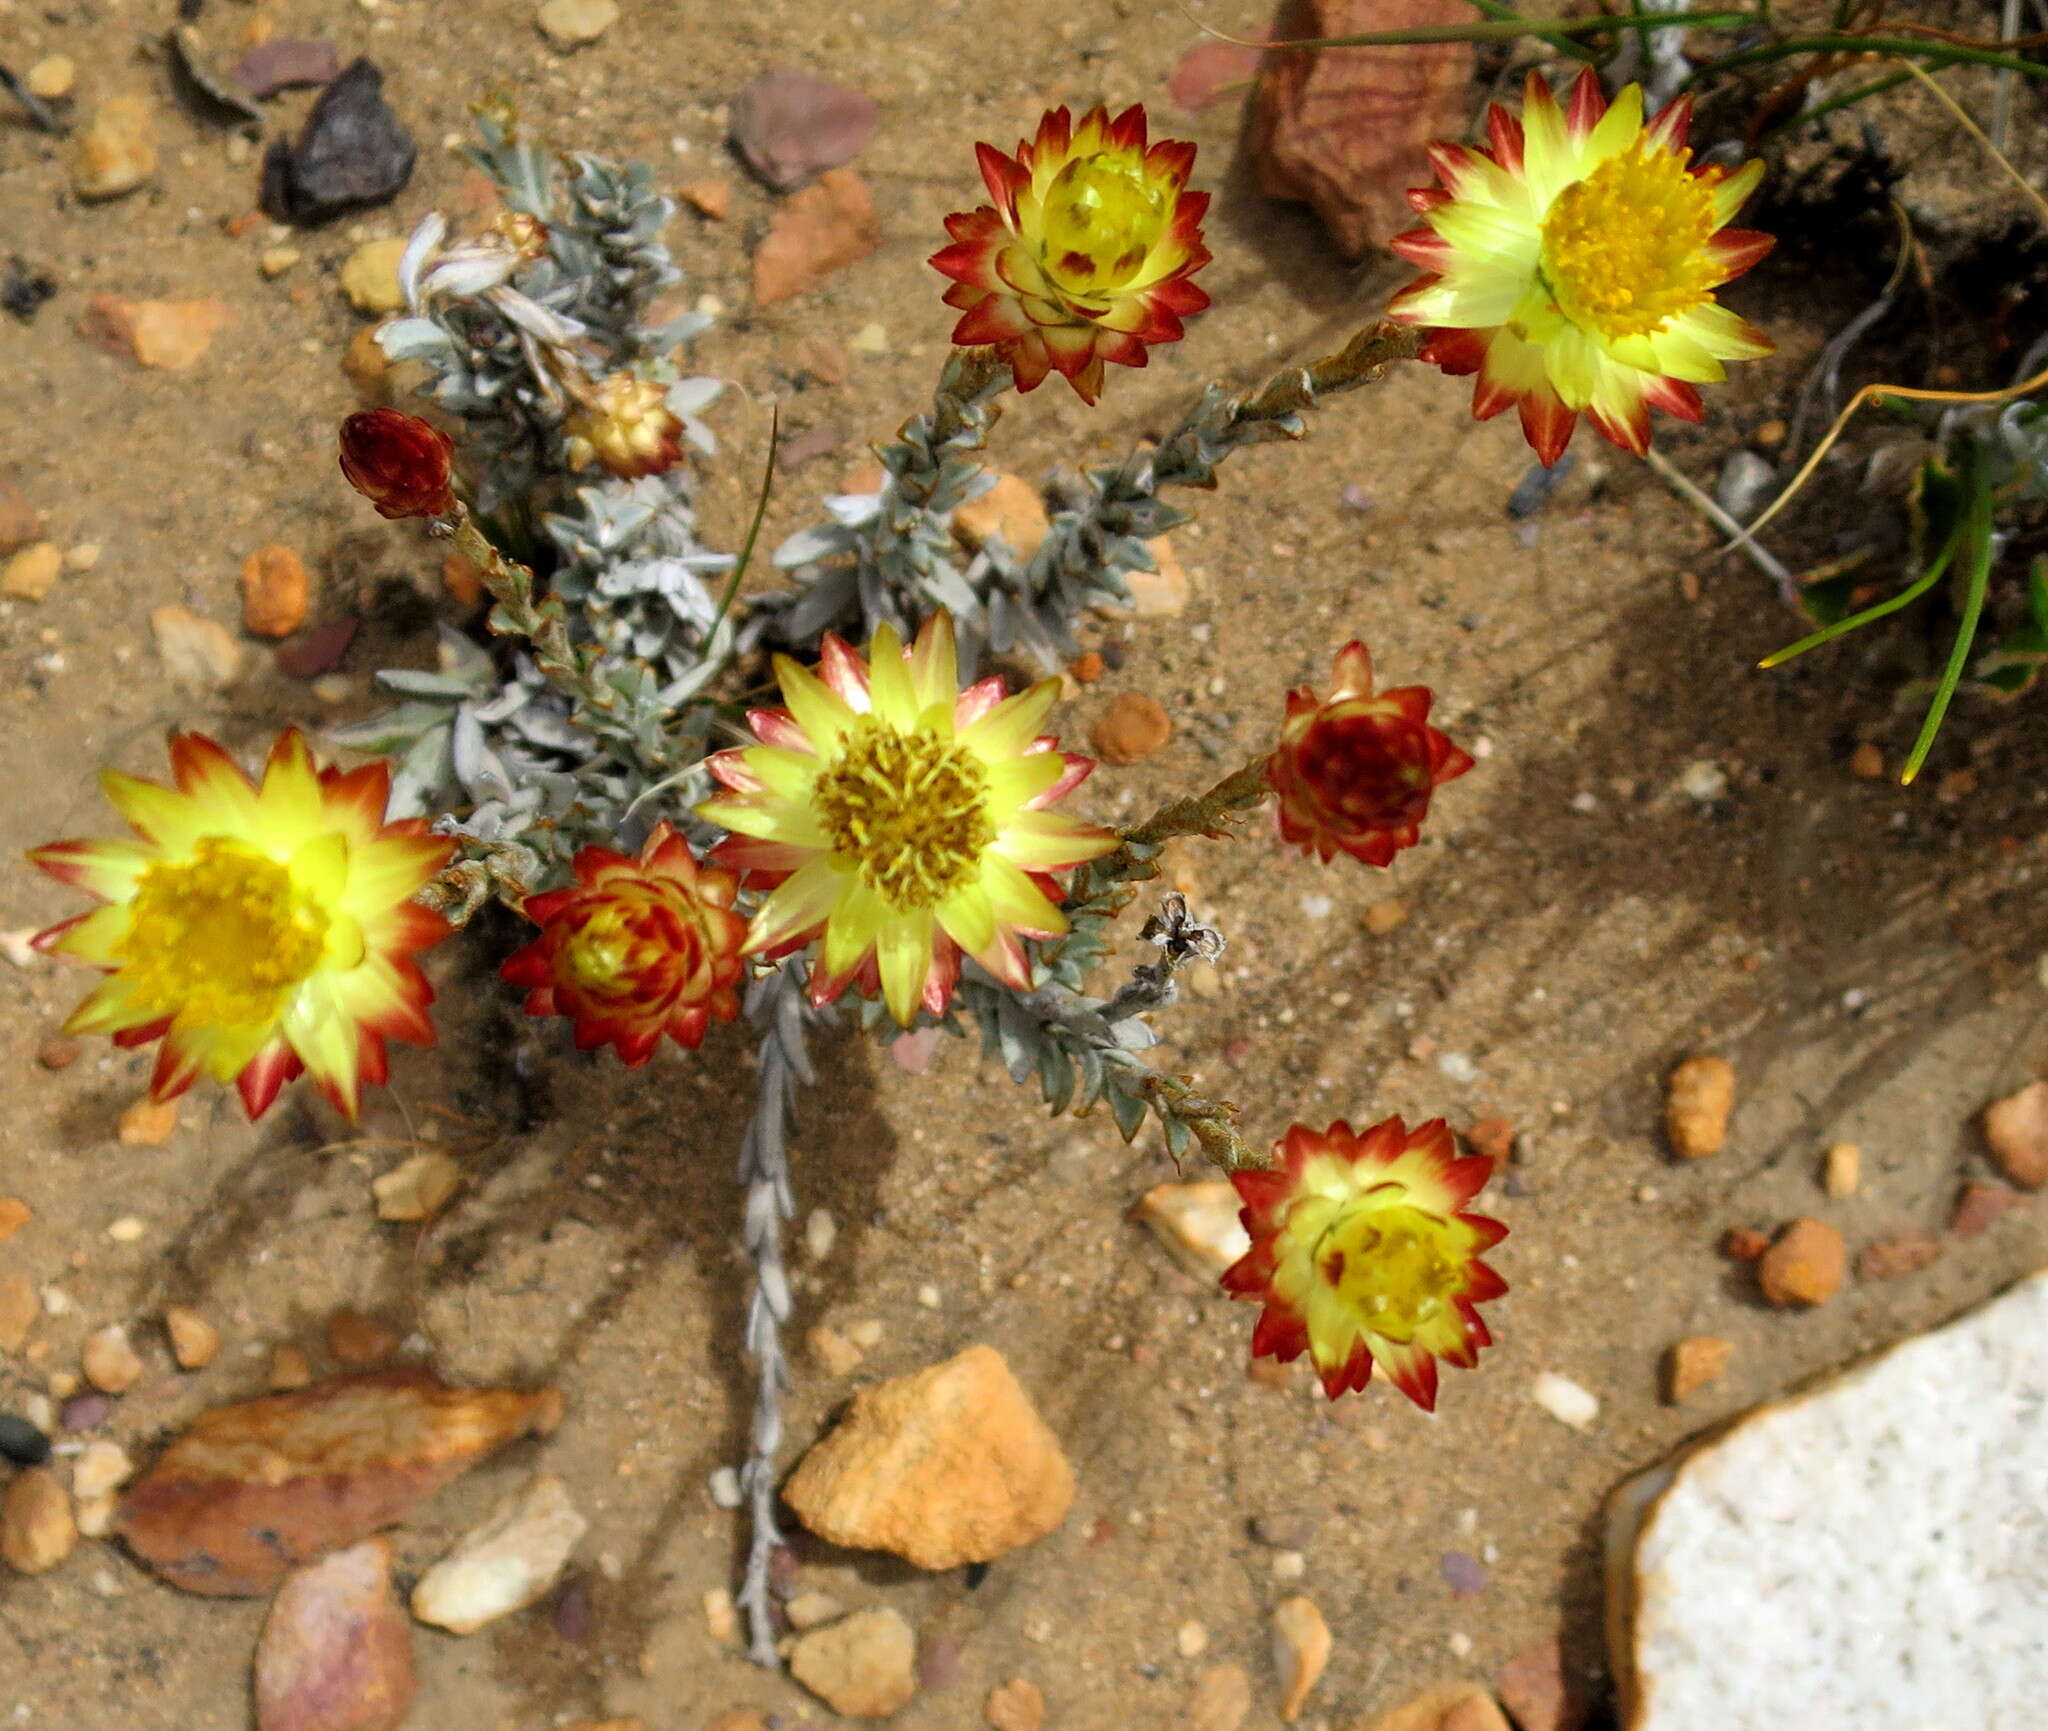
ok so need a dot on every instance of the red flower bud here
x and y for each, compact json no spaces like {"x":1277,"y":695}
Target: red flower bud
{"x":399,"y":463}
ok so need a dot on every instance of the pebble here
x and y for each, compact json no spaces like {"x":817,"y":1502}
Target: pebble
{"x":812,"y":1610}
{"x":19,"y":1307}
{"x":101,"y":1467}
{"x":274,"y":261}
{"x":37,"y":1531}
{"x":335,"y":1653}
{"x":1012,"y":512}
{"x":95,"y":1515}
{"x":1301,"y":1652}
{"x":1191,"y":1640}
{"x":1463,"y":1573}
{"x":117,"y":152}
{"x":945,"y":1466}
{"x":52,"y":78}
{"x":14,"y":1215}
{"x":1703,"y":781}
{"x":1866,"y":762}
{"x":284,"y":63}
{"x":23,"y":1443}
{"x":1565,"y":1400}
{"x":870,"y":339}
{"x":1804,"y":1266}
{"x":1448,"y":1707}
{"x":712,"y":197}
{"x":1536,"y":1689}
{"x":59,"y":1052}
{"x":721,"y":1617}
{"x":1458,"y":1067}
{"x":1694,"y":1362}
{"x":1696,"y":1106}
{"x":1289,"y":1565}
{"x":289,"y":1369}
{"x":1162,"y":593}
{"x":169,"y":336}
{"x":418,"y":1189}
{"x":1743,"y":1244}
{"x":570,"y":24}
{"x":194,"y":1341}
{"x":722,"y":1486}
{"x":359,"y":1341}
{"x":353,"y":151}
{"x":864,"y":1666}
{"x":1198,"y":1224}
{"x":369,"y":277}
{"x":505,"y":1564}
{"x":1841,"y":1170}
{"x":1897,"y":1255}
{"x":199,"y":654}
{"x":1382,"y":917}
{"x":789,"y":126}
{"x":2016,"y":1132}
{"x":1016,"y":1705}
{"x":821,"y":1232}
{"x":83,"y":557}
{"x":1220,"y":1700}
{"x":110,"y":1363}
{"x":1978,"y":1206}
{"x":836,"y":1355}
{"x":822,"y":229}
{"x":1293,"y":1531}
{"x":32,"y":573}
{"x":128,"y":1230}
{"x":1130,"y":729}
{"x":369,"y":370}
{"x":83,"y":1412}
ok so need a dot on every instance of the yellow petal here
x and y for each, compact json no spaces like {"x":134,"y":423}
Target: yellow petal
{"x":798,"y":905}
{"x":1013,"y":724}
{"x":821,"y":712}
{"x":904,"y":950}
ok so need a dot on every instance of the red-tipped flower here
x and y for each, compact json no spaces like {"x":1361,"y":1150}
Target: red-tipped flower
{"x":1354,"y":772}
{"x":399,"y":463}
{"x":1362,"y":1255}
{"x":1088,"y":253}
{"x":635,"y":948}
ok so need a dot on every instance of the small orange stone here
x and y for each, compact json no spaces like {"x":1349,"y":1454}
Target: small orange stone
{"x":1694,"y":1362}
{"x":275,"y":589}
{"x":149,"y":1123}
{"x":1492,"y":1137}
{"x":1805,"y":1265}
{"x":14,"y":1215}
{"x":1131,"y":729}
{"x":711,"y":196}
{"x":1743,"y":1244}
{"x":1088,"y":667}
{"x":359,"y":1341}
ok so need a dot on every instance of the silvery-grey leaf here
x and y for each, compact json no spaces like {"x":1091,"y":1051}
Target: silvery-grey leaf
{"x":805,"y":546}
{"x":422,"y":683}
{"x":426,"y":237}
{"x":851,"y":510}
{"x":693,"y":396}
{"x":414,"y":339}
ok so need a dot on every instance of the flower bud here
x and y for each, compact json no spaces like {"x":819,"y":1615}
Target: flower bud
{"x":399,"y":463}
{"x":628,"y":428}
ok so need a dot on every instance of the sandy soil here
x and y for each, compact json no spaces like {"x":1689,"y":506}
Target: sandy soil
{"x":1866,"y":956}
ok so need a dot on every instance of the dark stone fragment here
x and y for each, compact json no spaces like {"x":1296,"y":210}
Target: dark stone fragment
{"x":286,"y":63}
{"x":1463,"y":1573}
{"x":788,"y":127}
{"x":318,"y":650}
{"x":23,"y":291}
{"x":571,"y":1613}
{"x":21,"y":1442}
{"x":85,"y":1412}
{"x":352,"y":152}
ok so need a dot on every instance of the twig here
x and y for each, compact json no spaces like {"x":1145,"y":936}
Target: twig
{"x":1674,"y":478}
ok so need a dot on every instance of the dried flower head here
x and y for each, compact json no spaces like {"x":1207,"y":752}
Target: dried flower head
{"x":1573,"y":266}
{"x":261,"y":929}
{"x":399,"y":463}
{"x":635,"y":948}
{"x":523,"y":232}
{"x":902,"y":819}
{"x":1087,"y":255}
{"x":628,"y":427}
{"x":1362,"y":1257}
{"x":1354,"y":771}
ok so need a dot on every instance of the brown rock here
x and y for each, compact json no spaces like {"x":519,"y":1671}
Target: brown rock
{"x":367,"y":366}
{"x":14,"y":1215}
{"x":1015,"y":1706}
{"x":59,"y":1052}
{"x":359,"y":1341}
{"x":252,"y":1489}
{"x":20,"y":521}
{"x":1130,"y":729}
{"x":20,"y":1305}
{"x":290,"y":1370}
{"x":1978,"y":1206}
{"x":1539,"y":1693}
{"x":417,"y":1189}
{"x":1011,"y":511}
{"x":198,"y":653}
{"x":52,"y":77}
{"x":275,"y":590}
{"x":369,"y":277}
{"x":864,"y":1666}
{"x":117,"y":152}
{"x":1896,"y":1256}
{"x":168,"y":335}
{"x":1384,"y":917}
{"x":1348,"y":132}
{"x":110,"y":1363}
{"x":822,"y":229}
{"x":1866,"y":762}
{"x":1301,"y":1652}
{"x":2016,"y":1131}
{"x":1088,"y":667}
{"x":1448,"y":1707}
{"x":336,"y":1652}
{"x":1805,"y":1265}
{"x":710,"y":196}
{"x":835,"y":1354}
{"x":36,"y":1529}
{"x":945,"y":1466}
{"x":1694,"y":1362}
{"x":194,"y":1340}
{"x":1696,"y":1106}
{"x":148,"y":1123}
{"x":32,"y":573}
{"x":1219,"y":1701}
{"x":1492,"y":1137}
{"x":1743,"y":1244}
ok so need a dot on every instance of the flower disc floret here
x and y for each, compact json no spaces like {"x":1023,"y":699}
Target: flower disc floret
{"x":1363,"y":1256}
{"x":1088,"y":253}
{"x":1354,"y":772}
{"x":635,"y":948}
{"x":1572,"y":266}
{"x":259,"y":929}
{"x":900,"y":821}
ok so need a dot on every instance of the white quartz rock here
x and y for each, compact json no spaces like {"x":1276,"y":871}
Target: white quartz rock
{"x":505,"y":1564}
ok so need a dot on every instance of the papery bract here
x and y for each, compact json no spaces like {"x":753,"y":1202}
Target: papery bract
{"x":1362,"y":1255}
{"x":1088,"y":254}
{"x":901,"y":820}
{"x":401,"y":464}
{"x":635,"y":948}
{"x":628,"y":428}
{"x":1353,"y":771}
{"x":261,"y":929}
{"x":1572,"y":266}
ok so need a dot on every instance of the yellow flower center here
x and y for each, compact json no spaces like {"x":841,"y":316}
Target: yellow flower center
{"x":909,"y":809}
{"x":601,"y":949}
{"x":1395,"y":1267}
{"x":1625,"y":248}
{"x":221,"y":937}
{"x":1103,"y":216}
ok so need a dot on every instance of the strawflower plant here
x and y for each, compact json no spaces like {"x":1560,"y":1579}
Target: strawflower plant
{"x":892,"y":847}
